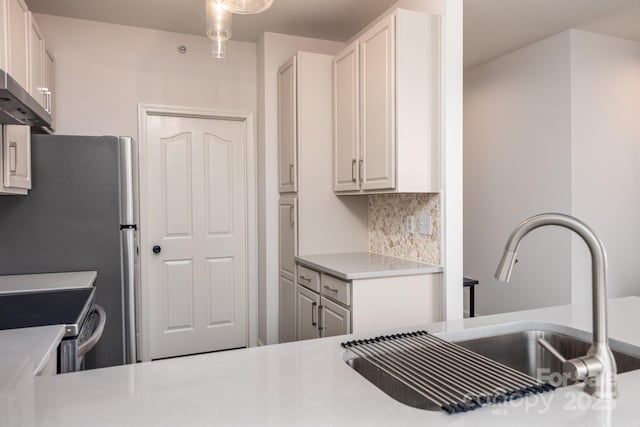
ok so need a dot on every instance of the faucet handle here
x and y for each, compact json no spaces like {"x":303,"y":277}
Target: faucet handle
{"x":578,"y":368}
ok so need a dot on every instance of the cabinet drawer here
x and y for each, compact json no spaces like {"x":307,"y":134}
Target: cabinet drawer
{"x":336,"y":289}
{"x":309,"y":278}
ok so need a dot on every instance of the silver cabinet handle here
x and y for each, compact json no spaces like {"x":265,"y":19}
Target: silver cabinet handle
{"x":291,"y":173}
{"x":93,"y":339}
{"x":314,"y":306}
{"x":320,"y":319}
{"x":330,"y":289}
{"x":48,"y":101}
{"x":291,"y":221}
{"x":360,"y":168}
{"x":353,"y":170}
{"x":13,"y":157}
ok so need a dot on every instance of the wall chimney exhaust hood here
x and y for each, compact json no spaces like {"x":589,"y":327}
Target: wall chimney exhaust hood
{"x":18,"y":107}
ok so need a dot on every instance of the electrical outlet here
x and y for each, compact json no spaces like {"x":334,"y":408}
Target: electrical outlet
{"x":410,"y":221}
{"x":425,"y":225}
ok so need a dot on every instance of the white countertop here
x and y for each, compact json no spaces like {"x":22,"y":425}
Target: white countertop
{"x":46,"y":281}
{"x":307,"y":384}
{"x":365,"y":265}
{"x":23,"y":354}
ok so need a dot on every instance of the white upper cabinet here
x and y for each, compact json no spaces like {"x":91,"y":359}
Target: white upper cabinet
{"x":17,"y":41}
{"x":37,"y":87}
{"x":16,"y":159}
{"x":346,"y":132}
{"x":389,"y":79}
{"x":287,"y":126}
{"x":50,"y":84}
{"x":377,"y":106}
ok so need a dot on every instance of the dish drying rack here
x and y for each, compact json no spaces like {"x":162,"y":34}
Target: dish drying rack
{"x":447,"y":375}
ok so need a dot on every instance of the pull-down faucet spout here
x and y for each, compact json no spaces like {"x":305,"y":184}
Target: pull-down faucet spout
{"x":598,"y":367}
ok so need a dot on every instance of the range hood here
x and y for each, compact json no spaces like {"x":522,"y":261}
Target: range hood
{"x":18,"y":107}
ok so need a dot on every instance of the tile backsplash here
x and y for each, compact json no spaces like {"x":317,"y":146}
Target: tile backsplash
{"x":387,"y":225}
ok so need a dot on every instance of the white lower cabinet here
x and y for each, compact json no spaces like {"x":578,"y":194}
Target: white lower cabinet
{"x":308,"y":303}
{"x":335,"y":320}
{"x":287,"y":310}
{"x":338,"y":307}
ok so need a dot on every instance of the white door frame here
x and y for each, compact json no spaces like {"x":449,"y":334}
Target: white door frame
{"x":147,"y":110}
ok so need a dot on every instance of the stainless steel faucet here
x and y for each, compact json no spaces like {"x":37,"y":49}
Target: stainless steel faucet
{"x":598,"y":368}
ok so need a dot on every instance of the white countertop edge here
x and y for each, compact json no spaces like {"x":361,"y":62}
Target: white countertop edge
{"x":53,"y":346}
{"x":428,"y":269}
{"x":20,"y":283}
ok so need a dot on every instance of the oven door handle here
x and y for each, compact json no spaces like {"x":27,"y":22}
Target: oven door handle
{"x":85,"y":347}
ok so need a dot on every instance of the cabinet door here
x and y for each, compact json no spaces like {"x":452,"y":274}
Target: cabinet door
{"x":17,"y":156}
{"x":336,"y":320}
{"x":18,"y":41}
{"x":287,"y":310}
{"x":377,"y":106}
{"x":37,"y":87}
{"x":287,"y":126}
{"x":346,"y":131}
{"x":287,"y":237}
{"x":50,"y":83}
{"x":307,"y":308}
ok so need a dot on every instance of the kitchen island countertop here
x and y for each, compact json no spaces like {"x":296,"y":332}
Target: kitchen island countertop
{"x":307,"y":383}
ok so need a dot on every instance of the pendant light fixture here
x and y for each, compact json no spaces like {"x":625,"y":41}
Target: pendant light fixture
{"x":219,"y":13}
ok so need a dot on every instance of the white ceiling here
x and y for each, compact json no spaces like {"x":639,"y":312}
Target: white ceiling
{"x":495,"y":27}
{"x":492,"y":27}
{"x":335,"y":20}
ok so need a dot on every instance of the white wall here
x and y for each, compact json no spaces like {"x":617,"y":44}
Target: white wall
{"x":554,"y":126}
{"x":605,"y":105}
{"x":516,"y":164}
{"x":103,"y":71}
{"x":273,"y":50}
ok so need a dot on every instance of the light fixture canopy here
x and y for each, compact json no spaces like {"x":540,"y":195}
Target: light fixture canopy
{"x":246,"y":7}
{"x":219,"y":13}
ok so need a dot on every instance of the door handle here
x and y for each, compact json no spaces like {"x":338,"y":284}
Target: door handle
{"x":360,"y":169}
{"x":157,"y":249}
{"x":320,"y":319}
{"x":354,"y":178}
{"x":314,"y":306}
{"x":13,"y":157}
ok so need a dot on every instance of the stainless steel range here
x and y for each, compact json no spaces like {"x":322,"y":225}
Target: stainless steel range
{"x":75,"y":308}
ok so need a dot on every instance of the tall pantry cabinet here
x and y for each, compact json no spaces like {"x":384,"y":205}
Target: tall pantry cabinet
{"x":312,"y":219}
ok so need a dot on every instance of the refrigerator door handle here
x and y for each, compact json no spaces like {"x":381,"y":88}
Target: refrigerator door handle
{"x":128,"y":282}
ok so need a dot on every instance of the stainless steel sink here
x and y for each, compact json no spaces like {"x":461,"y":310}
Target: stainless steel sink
{"x":521,"y":351}
{"x":516,"y":349}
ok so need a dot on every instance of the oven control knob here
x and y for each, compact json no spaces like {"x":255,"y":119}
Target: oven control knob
{"x":156,"y":249}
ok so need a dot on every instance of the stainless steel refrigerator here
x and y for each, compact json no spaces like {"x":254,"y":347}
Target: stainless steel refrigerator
{"x":81,"y":214}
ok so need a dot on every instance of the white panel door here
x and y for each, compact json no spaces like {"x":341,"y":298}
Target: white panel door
{"x":287,"y":310}
{"x":377,"y":106}
{"x":18,"y":41}
{"x":345,"y":117}
{"x":288,"y":237}
{"x":16,"y":145}
{"x":336,"y":320}
{"x":196,"y":222}
{"x":307,"y":313}
{"x":287,"y":126}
